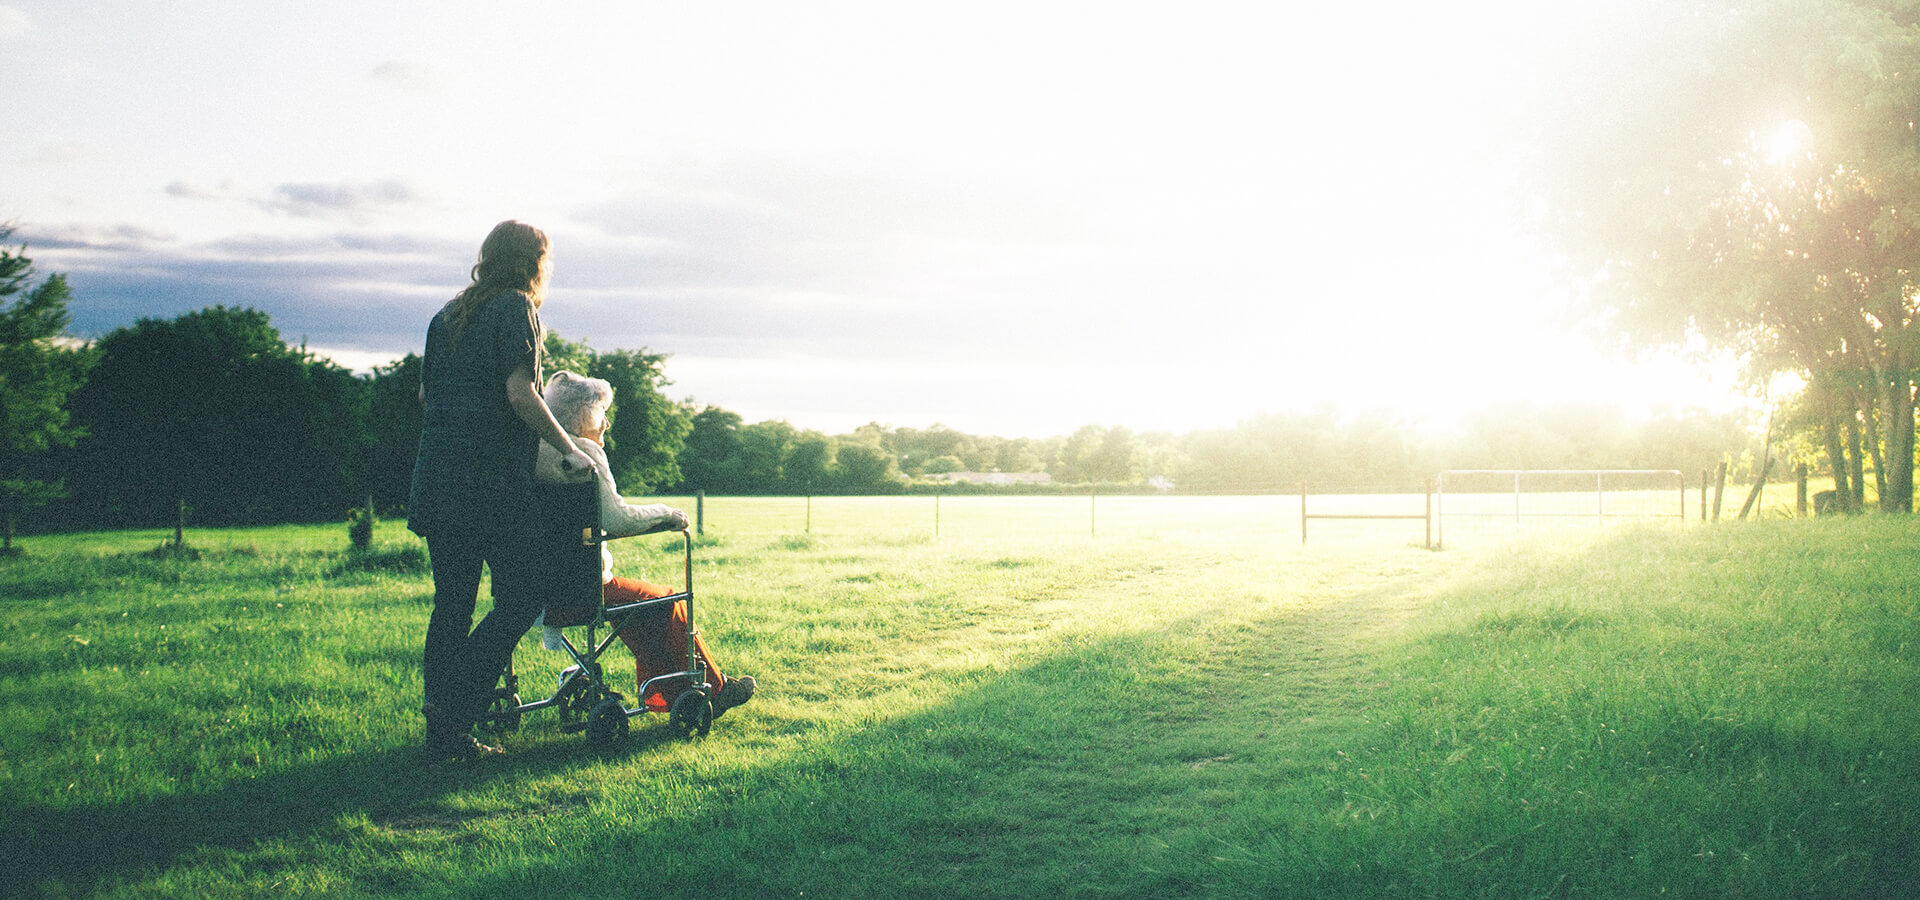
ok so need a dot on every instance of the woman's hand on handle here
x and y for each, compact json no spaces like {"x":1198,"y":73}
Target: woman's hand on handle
{"x":572,"y":460}
{"x":524,"y":396}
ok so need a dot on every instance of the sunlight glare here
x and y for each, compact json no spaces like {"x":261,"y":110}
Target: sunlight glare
{"x":1791,"y":142}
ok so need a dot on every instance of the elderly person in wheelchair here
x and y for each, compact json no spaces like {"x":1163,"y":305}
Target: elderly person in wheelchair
{"x":658,"y":640}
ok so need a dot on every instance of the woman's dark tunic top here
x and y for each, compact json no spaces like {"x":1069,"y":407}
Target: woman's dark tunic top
{"x":473,"y":476}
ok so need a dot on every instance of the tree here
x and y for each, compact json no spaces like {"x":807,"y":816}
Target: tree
{"x":212,"y":408}
{"x":711,"y":461}
{"x":764,"y":448}
{"x":809,"y":467}
{"x":647,"y":432}
{"x":1074,"y":463}
{"x":864,"y":466}
{"x":1744,"y":175}
{"x":393,"y":432}
{"x":557,"y":354}
{"x":1017,"y":455}
{"x":1114,"y":460}
{"x":37,"y":373}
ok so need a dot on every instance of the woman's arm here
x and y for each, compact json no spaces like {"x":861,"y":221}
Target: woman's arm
{"x":525,"y":399}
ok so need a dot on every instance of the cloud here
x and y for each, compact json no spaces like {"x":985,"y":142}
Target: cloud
{"x":120,"y":238}
{"x":315,"y":200}
{"x":407,"y":75}
{"x":14,"y":23}
{"x":187,"y":191}
{"x":348,"y":292}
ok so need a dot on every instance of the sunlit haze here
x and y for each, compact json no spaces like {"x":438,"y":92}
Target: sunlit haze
{"x":1008,"y":218}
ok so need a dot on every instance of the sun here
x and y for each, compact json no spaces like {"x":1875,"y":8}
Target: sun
{"x":1790,"y":142}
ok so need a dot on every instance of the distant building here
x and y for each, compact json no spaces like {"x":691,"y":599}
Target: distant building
{"x":994,"y":477}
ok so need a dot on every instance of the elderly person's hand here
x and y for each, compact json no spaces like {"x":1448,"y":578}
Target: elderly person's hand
{"x":575,"y":461}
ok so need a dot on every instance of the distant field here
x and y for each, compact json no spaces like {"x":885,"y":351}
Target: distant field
{"x":1154,"y":697}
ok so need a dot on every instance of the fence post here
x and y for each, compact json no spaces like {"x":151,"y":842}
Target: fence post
{"x":699,"y":512}
{"x":1429,"y":513}
{"x":809,"y":525}
{"x":1093,"y":498}
{"x":1719,"y":489}
{"x":1800,"y":502}
{"x":1303,"y":512}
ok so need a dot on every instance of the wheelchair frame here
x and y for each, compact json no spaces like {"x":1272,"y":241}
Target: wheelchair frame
{"x":583,"y":698}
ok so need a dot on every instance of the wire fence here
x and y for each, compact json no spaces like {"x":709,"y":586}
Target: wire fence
{"x":1275,"y":517}
{"x":1456,"y":508}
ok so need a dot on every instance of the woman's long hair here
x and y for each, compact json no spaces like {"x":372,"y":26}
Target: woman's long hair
{"x":513,"y":257}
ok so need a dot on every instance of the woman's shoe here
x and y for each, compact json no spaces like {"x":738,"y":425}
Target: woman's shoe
{"x":737,"y":692}
{"x":447,"y":740}
{"x":459,"y":745}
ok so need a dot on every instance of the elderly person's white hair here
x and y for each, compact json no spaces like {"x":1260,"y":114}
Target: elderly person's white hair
{"x":572,"y":398}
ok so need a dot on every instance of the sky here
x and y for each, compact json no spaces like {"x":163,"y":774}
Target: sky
{"x":1005,"y":218}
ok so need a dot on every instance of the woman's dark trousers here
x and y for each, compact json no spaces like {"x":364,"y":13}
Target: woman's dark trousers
{"x":460,"y":668}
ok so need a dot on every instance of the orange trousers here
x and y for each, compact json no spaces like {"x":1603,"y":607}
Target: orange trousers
{"x":658,"y":639}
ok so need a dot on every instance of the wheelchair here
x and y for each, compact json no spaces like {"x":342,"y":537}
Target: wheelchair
{"x":569,"y":539}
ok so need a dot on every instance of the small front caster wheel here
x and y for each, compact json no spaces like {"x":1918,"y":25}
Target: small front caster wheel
{"x":607,"y":722}
{"x":503,"y":714}
{"x":692,"y":714}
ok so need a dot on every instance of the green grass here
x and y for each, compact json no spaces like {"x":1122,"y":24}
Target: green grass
{"x":1190,"y":704}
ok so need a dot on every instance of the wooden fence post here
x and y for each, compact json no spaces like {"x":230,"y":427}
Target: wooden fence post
{"x":1429,"y":543}
{"x":1759,"y":484}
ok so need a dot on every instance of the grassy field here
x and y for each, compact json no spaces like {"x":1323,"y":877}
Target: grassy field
{"x":1150,"y":700}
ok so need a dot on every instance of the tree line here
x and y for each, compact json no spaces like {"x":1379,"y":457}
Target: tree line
{"x":214,"y":409}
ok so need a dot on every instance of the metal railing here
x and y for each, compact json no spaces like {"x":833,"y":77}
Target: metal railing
{"x":1559,"y":494}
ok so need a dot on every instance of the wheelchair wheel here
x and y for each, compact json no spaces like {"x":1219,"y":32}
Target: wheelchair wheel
{"x":692,"y":714}
{"x":607,"y":723}
{"x":503,"y":714}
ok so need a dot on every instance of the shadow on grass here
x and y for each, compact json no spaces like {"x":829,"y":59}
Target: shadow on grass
{"x":81,"y":850}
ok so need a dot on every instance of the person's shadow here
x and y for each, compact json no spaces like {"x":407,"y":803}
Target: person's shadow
{"x":74,"y":850}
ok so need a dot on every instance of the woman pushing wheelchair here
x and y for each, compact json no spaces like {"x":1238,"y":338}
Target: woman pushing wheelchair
{"x":484,"y":422}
